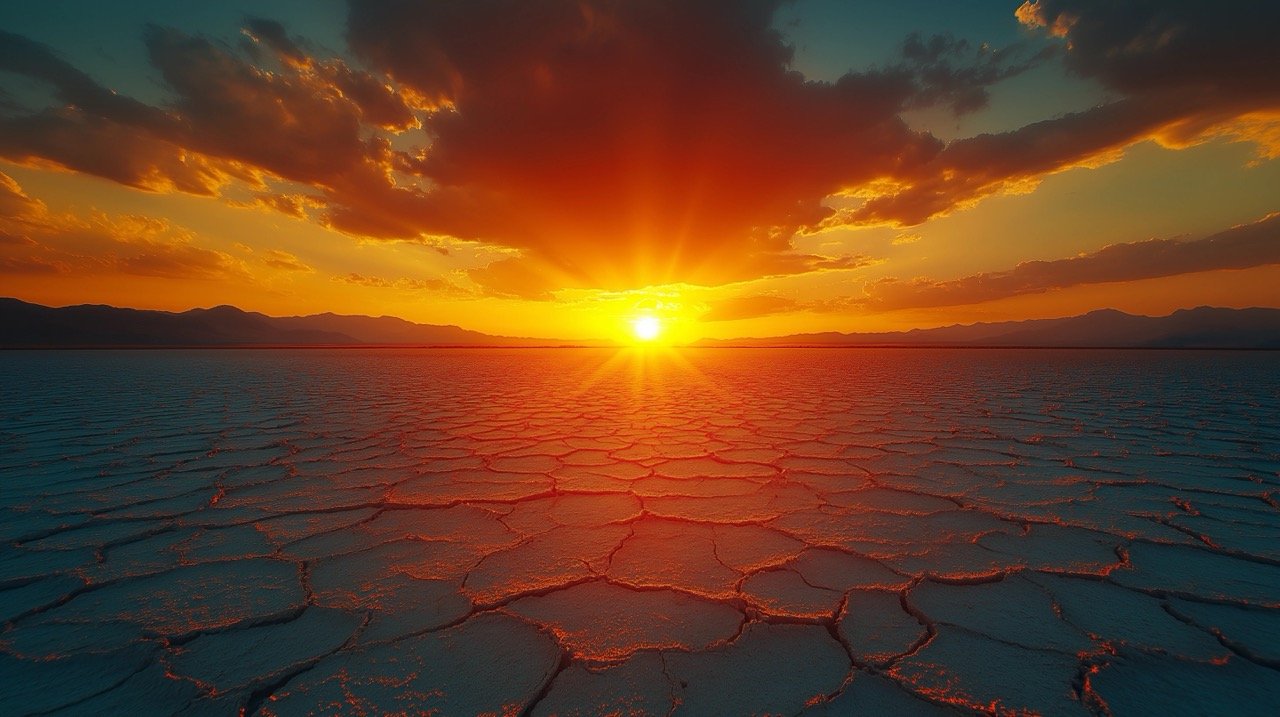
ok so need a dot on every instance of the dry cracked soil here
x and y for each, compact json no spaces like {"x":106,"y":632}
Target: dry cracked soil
{"x":588,"y":532}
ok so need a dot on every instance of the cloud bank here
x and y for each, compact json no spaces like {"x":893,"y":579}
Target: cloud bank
{"x":1241,"y":247}
{"x":625,"y":143}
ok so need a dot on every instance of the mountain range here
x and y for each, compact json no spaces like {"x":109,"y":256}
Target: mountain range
{"x":1201,"y":327}
{"x":24,"y":324}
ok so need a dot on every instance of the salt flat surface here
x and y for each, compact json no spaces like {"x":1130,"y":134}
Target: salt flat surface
{"x":581,"y":532}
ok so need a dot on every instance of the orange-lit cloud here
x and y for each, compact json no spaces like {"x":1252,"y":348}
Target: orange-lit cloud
{"x":284,"y":261}
{"x":625,"y":144}
{"x":1242,"y":247}
{"x":36,"y":240}
{"x":565,"y":146}
{"x":1180,"y":71}
{"x":404,"y":283}
{"x":619,"y":144}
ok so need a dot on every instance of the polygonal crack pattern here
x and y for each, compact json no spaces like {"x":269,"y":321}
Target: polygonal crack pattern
{"x":581,"y":532}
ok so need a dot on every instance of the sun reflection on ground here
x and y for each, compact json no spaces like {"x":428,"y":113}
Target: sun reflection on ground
{"x":637,"y":528}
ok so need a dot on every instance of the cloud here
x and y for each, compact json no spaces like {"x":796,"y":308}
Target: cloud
{"x":404,"y":283}
{"x":98,"y":131}
{"x":45,"y":242}
{"x":169,"y":260}
{"x":1241,"y":247}
{"x":304,"y":121}
{"x":71,"y":138}
{"x":953,"y":71}
{"x":294,"y":205}
{"x":19,"y":265}
{"x":976,"y":167}
{"x":1152,"y":46}
{"x":537,"y":277}
{"x":271,"y":34}
{"x":22,"y":56}
{"x":622,"y":143}
{"x":292,"y":124}
{"x":284,"y":261}
{"x":618,"y":144}
{"x":749,"y":307}
{"x":1180,"y":71}
{"x":633,"y":143}
{"x":14,"y":202}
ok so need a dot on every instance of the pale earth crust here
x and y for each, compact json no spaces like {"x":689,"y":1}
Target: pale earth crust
{"x":579,"y":532}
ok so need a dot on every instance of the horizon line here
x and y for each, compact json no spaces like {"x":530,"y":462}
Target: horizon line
{"x":616,"y":347}
{"x":603,"y":342}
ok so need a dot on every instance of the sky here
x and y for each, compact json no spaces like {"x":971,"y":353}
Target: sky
{"x":560,"y":168}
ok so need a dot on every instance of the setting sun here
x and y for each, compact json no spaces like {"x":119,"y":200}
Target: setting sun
{"x":646,"y":328}
{"x":699,"y":356}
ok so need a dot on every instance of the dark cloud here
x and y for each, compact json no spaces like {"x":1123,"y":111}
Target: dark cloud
{"x":130,"y":155}
{"x":613,"y":144}
{"x":1180,"y":70}
{"x":308,"y":123}
{"x":379,"y":103}
{"x":972,"y":168}
{"x":98,"y":131}
{"x":629,"y":143}
{"x":274,"y":36}
{"x":281,"y":123}
{"x":953,"y":71}
{"x":1241,"y":247}
{"x":620,"y":143}
{"x":227,"y":119}
{"x":26,"y":57}
{"x":1141,"y":47}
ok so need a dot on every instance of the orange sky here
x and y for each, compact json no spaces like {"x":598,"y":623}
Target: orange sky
{"x":557,"y":169}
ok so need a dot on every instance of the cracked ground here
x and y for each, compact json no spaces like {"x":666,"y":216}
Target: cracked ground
{"x":584,"y":532}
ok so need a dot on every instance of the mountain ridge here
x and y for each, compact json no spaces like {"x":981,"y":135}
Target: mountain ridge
{"x":24,"y":324}
{"x":1199,"y":327}
{"x":29,"y":325}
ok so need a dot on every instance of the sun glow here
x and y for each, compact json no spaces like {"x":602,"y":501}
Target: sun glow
{"x":646,"y":328}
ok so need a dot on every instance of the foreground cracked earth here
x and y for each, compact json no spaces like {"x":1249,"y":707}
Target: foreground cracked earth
{"x":582,"y":532}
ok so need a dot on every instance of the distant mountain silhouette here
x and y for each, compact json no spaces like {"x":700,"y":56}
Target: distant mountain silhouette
{"x":1202,"y":327}
{"x":25,"y":324}
{"x":28,"y":325}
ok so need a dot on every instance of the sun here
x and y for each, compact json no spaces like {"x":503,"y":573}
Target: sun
{"x":646,"y":328}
